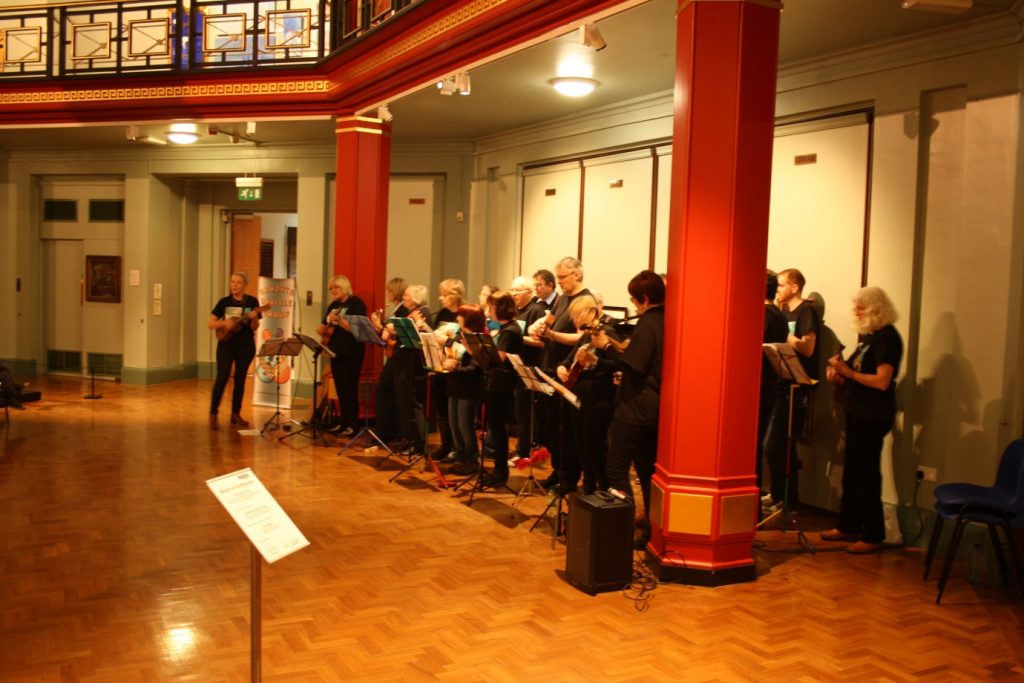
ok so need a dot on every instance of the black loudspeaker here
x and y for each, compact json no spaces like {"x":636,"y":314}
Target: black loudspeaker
{"x":599,"y":543}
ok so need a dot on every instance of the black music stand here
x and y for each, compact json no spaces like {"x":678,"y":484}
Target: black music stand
{"x":535,"y":385}
{"x":315,"y":429}
{"x":558,"y":500}
{"x":433,"y":359}
{"x":278,"y":347}
{"x":481,"y":346}
{"x":788,"y":368}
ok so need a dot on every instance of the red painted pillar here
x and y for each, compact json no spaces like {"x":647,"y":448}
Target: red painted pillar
{"x":361,"y":212}
{"x":361,"y":205}
{"x":704,"y":497}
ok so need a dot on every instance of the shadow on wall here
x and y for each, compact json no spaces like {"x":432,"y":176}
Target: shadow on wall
{"x":950,"y":432}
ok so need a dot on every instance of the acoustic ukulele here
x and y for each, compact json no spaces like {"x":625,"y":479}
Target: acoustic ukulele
{"x":225,"y":333}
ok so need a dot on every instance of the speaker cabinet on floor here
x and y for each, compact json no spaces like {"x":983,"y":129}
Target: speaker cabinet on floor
{"x":599,"y":543}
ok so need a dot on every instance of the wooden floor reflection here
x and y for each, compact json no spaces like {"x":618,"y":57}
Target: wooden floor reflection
{"x":119,"y":565}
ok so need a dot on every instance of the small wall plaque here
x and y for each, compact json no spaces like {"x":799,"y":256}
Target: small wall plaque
{"x":804,"y":159}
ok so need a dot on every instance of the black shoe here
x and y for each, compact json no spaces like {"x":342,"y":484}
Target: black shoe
{"x":551,"y":482}
{"x":465,"y":468}
{"x":347,"y":432}
{"x":450,"y":459}
{"x":410,"y":451}
{"x":494,"y":480}
{"x":13,"y":403}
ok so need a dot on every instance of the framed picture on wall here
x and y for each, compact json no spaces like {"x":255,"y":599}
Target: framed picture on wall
{"x":103,"y":279}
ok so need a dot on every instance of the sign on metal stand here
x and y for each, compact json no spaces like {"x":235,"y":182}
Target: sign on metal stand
{"x":271,"y":532}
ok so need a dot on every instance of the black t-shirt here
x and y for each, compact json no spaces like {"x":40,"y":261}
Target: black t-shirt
{"x":554,"y":351}
{"x":637,"y":401}
{"x":883,"y":346}
{"x":529,"y":314}
{"x":342,"y":342}
{"x":804,"y":320}
{"x":775,"y":332}
{"x":510,"y":340}
{"x":230,"y":307}
{"x":444,"y":316}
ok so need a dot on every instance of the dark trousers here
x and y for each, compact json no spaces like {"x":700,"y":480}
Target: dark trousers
{"x":636,"y":445}
{"x":410,"y":389}
{"x":564,"y":460}
{"x":499,"y":409}
{"x":388,"y":427}
{"x":765,"y":407}
{"x":780,"y":453}
{"x":439,"y":410}
{"x":462,"y":414}
{"x":860,"y":511}
{"x":240,"y":352}
{"x":588,"y":430}
{"x":345,"y":370}
{"x":531,"y":411}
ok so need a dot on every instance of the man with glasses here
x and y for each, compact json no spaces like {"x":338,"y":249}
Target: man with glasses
{"x":560,"y":335}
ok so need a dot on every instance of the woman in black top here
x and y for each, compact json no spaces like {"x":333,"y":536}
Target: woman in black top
{"x":866,"y":386}
{"x":501,"y":383}
{"x":348,"y":351}
{"x":465,"y":391}
{"x":633,"y":435}
{"x":595,"y":388}
{"x":234,"y":319}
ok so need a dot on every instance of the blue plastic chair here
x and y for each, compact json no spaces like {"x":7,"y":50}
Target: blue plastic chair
{"x":999,"y":505}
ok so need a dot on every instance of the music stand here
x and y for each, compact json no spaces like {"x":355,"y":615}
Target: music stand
{"x":278,"y":347}
{"x":362,"y":329}
{"x":433,"y":358}
{"x":788,"y":368}
{"x":535,"y":385}
{"x":314,"y":430}
{"x":558,"y":500}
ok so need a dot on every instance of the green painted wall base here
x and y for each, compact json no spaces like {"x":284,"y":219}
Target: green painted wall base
{"x":147,"y":376}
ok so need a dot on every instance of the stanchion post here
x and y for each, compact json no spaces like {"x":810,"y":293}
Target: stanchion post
{"x":255,"y":618}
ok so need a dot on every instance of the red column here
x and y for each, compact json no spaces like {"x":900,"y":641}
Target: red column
{"x":704,"y":497}
{"x":361,"y":212}
{"x":361,"y":205}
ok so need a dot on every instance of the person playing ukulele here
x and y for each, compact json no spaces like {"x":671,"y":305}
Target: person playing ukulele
{"x":234,"y":321}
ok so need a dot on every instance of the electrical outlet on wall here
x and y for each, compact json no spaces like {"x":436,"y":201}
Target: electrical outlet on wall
{"x":928,"y":473}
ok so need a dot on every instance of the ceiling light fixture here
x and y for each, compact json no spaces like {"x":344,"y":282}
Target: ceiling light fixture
{"x":592,"y":38}
{"x":183,"y":133}
{"x":462,"y":85}
{"x":384,"y":113}
{"x":573,"y":86}
{"x":949,"y":6}
{"x":446,"y":86}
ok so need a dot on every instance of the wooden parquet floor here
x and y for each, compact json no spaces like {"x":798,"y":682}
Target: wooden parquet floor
{"x":119,"y":565}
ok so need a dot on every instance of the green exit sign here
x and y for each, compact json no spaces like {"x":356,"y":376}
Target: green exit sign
{"x":250,"y":194}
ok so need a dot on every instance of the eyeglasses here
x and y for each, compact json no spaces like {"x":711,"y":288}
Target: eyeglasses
{"x":562,"y":277}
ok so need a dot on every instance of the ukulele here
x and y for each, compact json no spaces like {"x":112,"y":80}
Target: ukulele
{"x":225,"y":333}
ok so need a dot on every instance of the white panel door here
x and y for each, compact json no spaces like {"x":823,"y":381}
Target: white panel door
{"x":816,"y":223}
{"x":616,"y":225}
{"x":411,"y":231}
{"x":64,"y":294}
{"x":551,"y":218}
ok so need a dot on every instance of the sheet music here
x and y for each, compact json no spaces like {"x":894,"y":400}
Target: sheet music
{"x":572,"y":398}
{"x":527,"y":375}
{"x":433,"y":354}
{"x":363,"y":330}
{"x":785,"y":363}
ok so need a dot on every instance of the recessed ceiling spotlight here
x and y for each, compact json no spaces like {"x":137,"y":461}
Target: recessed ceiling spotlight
{"x":574,"y":86}
{"x":183,"y":133}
